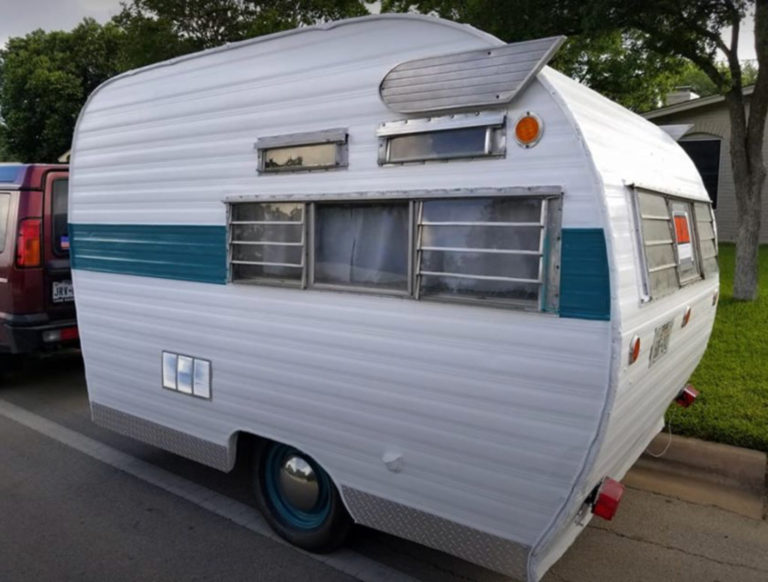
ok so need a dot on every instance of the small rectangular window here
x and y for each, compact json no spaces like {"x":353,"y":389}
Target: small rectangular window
{"x":5,"y":204}
{"x":482,"y":248}
{"x":362,"y":245}
{"x":669,"y":243}
{"x":442,"y":138}
{"x":267,"y":241}
{"x":321,"y":150}
{"x":60,"y":195}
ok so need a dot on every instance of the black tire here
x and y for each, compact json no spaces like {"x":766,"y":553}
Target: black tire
{"x":321,"y":529}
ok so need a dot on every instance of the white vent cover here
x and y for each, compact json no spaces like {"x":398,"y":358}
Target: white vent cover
{"x":473,"y":79}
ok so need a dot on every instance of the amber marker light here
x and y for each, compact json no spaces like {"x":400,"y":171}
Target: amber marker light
{"x":634,"y":349}
{"x":528,"y":130}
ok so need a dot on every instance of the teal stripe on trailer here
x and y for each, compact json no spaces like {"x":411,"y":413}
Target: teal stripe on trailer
{"x":169,"y":251}
{"x":585,"y":286}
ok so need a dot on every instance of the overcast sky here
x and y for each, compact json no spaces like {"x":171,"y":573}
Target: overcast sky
{"x":18,"y":17}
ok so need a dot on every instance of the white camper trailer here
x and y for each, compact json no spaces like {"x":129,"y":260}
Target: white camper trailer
{"x":448,"y":290}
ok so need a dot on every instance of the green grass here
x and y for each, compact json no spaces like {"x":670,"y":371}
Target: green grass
{"x":733,"y":375}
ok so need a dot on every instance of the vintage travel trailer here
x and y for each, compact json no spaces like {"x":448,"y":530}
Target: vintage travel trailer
{"x":448,"y":291}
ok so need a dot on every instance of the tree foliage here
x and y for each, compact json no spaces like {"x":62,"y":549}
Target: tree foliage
{"x":614,"y":61}
{"x":44,"y":80}
{"x":200,"y":24}
{"x":45,"y":77}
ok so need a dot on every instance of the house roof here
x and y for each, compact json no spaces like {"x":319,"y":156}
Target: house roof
{"x":692,"y":104}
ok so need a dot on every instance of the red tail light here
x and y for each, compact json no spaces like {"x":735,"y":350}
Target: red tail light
{"x":687,"y":396}
{"x":608,"y":498}
{"x":28,"y":244}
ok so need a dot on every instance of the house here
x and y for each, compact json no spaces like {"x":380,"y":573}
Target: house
{"x":707,"y":143}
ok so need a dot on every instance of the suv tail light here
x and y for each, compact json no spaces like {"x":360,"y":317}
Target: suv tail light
{"x":28,"y":244}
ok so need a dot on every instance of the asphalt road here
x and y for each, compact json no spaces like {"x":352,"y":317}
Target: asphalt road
{"x":80,"y":503}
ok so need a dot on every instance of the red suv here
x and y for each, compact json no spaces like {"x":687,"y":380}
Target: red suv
{"x":37,"y":311}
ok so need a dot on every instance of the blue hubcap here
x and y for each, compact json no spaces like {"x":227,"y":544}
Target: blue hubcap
{"x":298,"y":490}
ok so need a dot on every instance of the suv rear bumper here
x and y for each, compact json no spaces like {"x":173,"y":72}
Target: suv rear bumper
{"x":22,"y":335}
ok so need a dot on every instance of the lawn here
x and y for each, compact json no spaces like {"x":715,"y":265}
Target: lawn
{"x":733,"y":375}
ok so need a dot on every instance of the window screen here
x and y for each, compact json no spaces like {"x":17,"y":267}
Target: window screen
{"x":482,"y":248}
{"x":267,"y":242}
{"x":363,"y":245}
{"x":5,"y":204}
{"x":60,"y":195}
{"x":705,"y":227}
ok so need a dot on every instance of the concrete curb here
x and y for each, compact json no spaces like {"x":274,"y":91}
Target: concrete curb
{"x":703,"y":472}
{"x":744,"y":467}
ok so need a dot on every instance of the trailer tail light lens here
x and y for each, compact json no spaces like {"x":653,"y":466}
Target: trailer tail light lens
{"x":28,"y":243}
{"x":608,"y":498}
{"x":634,"y":349}
{"x":528,"y":130}
{"x":687,"y":396}
{"x":686,"y":316}
{"x":61,"y":335}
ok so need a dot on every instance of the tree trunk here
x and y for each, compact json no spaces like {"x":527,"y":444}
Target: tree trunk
{"x":748,"y":205}
{"x":749,"y":176}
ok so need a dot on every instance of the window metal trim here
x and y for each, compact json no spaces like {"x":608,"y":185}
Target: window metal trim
{"x":337,"y":136}
{"x":379,"y":195}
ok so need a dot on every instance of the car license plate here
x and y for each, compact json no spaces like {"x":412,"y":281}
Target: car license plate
{"x":62,"y":291}
{"x":661,"y":340}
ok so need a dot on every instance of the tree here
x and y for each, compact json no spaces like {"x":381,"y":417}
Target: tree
{"x":201,"y":24}
{"x":44,"y":80}
{"x":693,"y":29}
{"x":613,"y":61}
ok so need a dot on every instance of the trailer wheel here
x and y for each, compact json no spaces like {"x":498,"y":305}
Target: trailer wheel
{"x":298,"y":498}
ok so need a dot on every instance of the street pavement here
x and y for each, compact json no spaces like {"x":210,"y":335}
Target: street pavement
{"x":80,"y":503}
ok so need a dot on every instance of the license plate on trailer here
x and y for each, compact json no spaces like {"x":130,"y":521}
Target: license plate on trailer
{"x":62,"y":291}
{"x":661,"y":340}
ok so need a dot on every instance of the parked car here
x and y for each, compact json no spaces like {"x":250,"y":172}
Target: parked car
{"x":37,"y":309}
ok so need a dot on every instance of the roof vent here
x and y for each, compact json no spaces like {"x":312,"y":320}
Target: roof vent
{"x":472,"y":79}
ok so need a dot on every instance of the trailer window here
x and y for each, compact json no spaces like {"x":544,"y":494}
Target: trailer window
{"x":482,"y":248}
{"x":320,"y":150}
{"x":267,"y":242}
{"x":60,"y":195}
{"x":501,"y":250}
{"x":442,"y":138}
{"x":705,"y":228}
{"x":5,"y":203}
{"x":362,"y":245}
{"x":671,"y":252}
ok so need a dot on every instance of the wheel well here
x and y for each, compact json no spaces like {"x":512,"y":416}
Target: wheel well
{"x":242,"y":445}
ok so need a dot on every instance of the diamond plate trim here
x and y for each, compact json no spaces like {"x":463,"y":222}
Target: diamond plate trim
{"x":174,"y":441}
{"x":484,"y":549}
